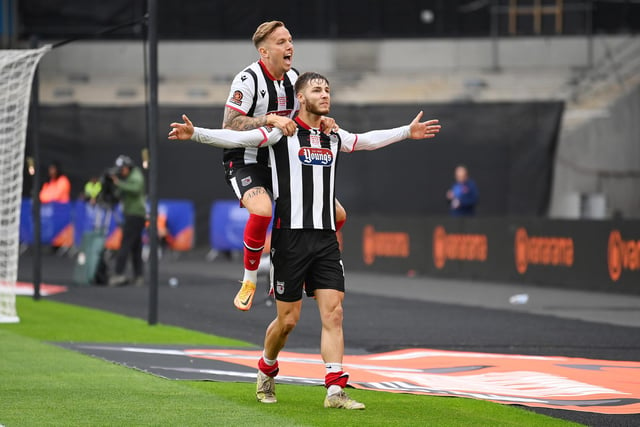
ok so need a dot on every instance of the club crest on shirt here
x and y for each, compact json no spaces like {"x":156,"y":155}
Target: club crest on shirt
{"x":236,"y":98}
{"x":315,"y":156}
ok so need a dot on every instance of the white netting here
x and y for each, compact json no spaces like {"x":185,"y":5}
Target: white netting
{"x":16,"y":75}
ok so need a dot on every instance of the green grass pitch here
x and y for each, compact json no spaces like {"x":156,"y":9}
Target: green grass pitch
{"x":44,"y":385}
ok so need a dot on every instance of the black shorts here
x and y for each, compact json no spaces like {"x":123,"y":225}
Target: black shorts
{"x":305,"y":257}
{"x":245,"y":178}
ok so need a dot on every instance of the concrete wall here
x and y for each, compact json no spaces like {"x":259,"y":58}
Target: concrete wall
{"x":602,"y":156}
{"x":464,"y":54}
{"x":121,"y":61}
{"x":213,"y":59}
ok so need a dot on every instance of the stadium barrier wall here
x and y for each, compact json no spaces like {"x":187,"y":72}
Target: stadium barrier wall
{"x":590,"y":255}
{"x":226,"y":225}
{"x":176,"y":223}
{"x":508,"y":148}
{"x":64,"y":224}
{"x":57,"y":228}
{"x":88,"y":217}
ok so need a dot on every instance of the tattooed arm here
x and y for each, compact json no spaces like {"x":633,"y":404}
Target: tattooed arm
{"x":235,"y":120}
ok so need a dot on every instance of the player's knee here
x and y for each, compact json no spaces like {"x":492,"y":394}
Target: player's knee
{"x":262,"y":209}
{"x":333,"y":318}
{"x":259,"y":205}
{"x":288,"y":323}
{"x":338,"y":314}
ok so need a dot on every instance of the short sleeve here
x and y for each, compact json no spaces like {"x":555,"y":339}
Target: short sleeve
{"x":241,"y":93}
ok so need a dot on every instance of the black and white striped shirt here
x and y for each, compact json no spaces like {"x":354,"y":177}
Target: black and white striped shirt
{"x":303,"y":166}
{"x":255,"y":93}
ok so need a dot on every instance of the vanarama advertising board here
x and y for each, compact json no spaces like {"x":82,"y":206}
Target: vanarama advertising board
{"x":598,"y":255}
{"x":623,"y":255}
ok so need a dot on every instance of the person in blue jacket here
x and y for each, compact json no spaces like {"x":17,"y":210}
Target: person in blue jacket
{"x":463,"y":195}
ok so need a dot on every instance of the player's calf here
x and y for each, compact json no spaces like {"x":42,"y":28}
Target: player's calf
{"x":255,"y":233}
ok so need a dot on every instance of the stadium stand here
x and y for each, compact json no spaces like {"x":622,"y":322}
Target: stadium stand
{"x":589,"y":74}
{"x":400,"y":71}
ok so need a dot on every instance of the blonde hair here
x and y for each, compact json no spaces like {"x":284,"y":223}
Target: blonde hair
{"x":264,"y":30}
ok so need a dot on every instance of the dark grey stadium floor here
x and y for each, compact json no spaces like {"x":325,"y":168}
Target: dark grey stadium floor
{"x":203,"y":302}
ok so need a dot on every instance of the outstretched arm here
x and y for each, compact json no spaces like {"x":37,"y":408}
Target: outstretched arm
{"x":381,"y":138}
{"x":223,"y":138}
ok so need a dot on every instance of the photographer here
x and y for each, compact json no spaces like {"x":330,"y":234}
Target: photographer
{"x":129,"y":183}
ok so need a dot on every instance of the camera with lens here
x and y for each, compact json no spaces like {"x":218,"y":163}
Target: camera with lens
{"x":109,"y":192}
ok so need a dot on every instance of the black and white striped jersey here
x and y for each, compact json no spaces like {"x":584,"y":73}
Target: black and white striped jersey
{"x":303,"y":177}
{"x":303,"y":166}
{"x":255,"y":93}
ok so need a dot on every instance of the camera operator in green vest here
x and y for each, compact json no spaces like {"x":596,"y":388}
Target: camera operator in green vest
{"x":129,"y":183}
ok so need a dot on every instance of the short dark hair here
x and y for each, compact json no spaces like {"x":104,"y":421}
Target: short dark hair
{"x":306,"y":78}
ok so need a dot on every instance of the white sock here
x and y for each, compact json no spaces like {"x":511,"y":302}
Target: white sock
{"x":269,"y":362}
{"x":333,"y":389}
{"x":251,"y":275}
{"x":333,"y":367}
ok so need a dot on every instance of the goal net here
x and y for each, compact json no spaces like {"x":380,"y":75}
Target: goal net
{"x":16,"y":75}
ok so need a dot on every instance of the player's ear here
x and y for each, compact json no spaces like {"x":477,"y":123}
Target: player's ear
{"x":262,"y":51}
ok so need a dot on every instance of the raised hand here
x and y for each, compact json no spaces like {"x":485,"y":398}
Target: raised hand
{"x":182,"y":131}
{"x":422,"y":130}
